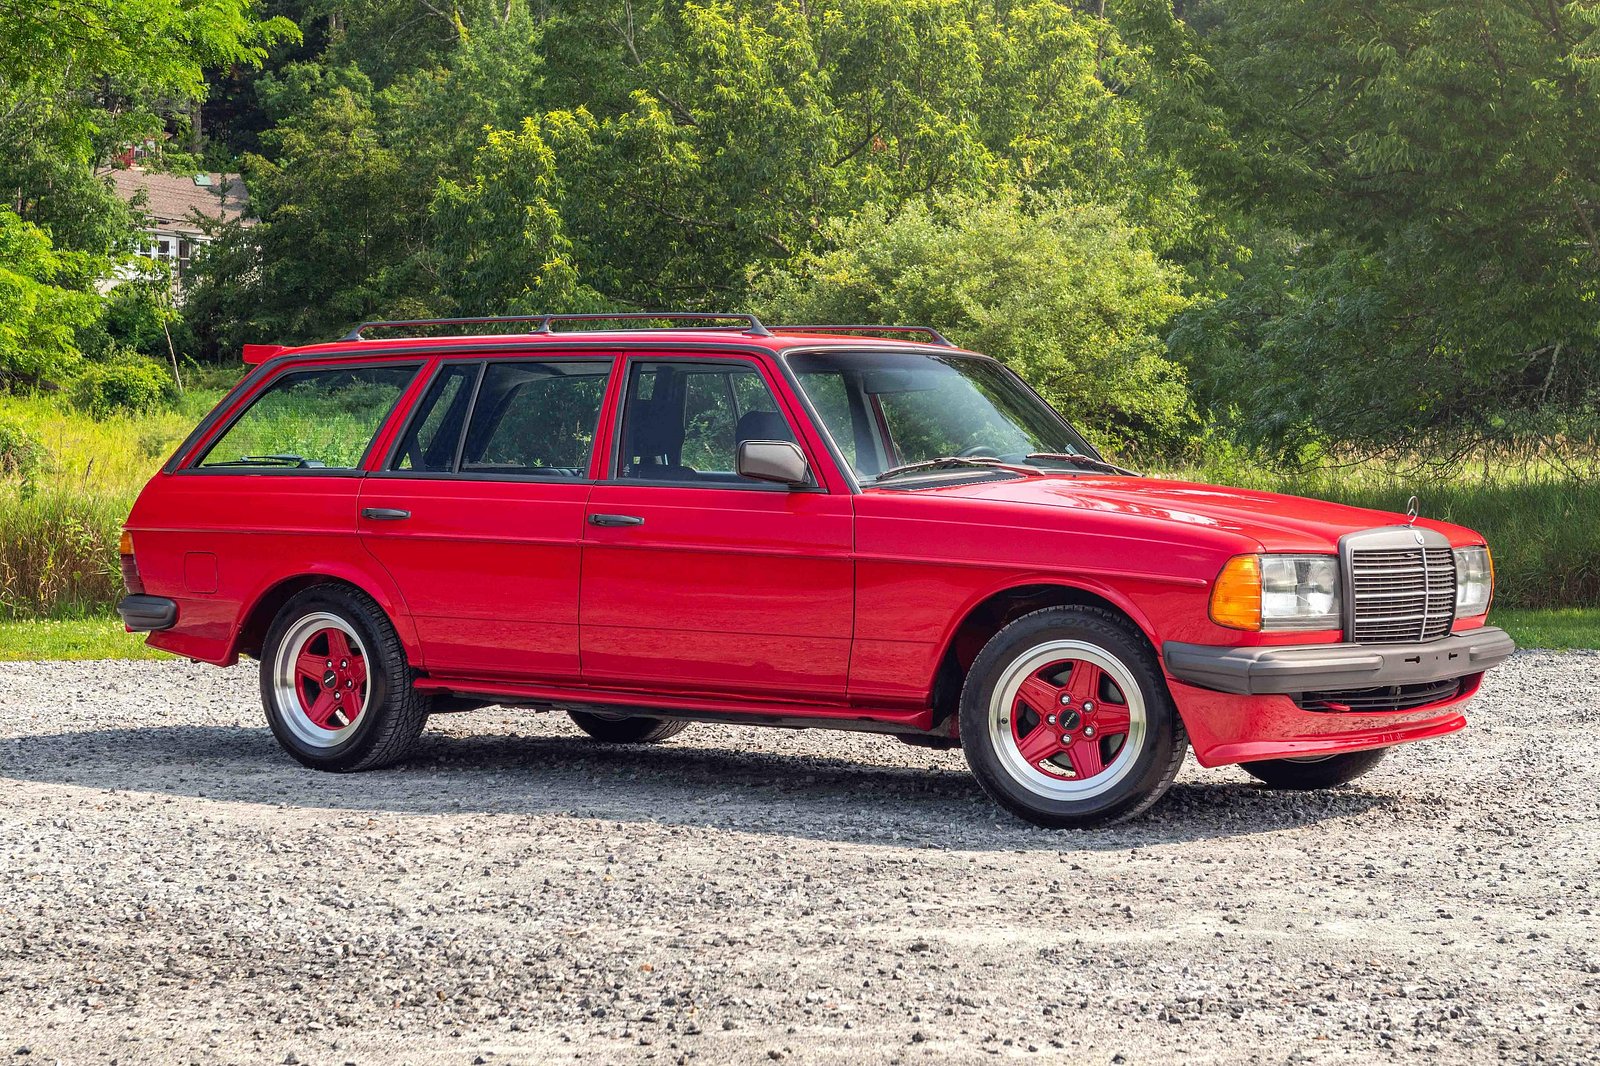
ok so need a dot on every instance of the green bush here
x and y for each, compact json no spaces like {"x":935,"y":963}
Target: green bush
{"x":20,"y":455}
{"x":128,"y":383}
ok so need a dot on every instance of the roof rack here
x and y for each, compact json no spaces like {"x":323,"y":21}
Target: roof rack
{"x":751,"y":324}
{"x":927,"y":331}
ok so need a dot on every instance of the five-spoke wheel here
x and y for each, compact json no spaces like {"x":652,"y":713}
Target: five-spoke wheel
{"x":1066,"y":720}
{"x":335,"y":682}
{"x":321,"y":669}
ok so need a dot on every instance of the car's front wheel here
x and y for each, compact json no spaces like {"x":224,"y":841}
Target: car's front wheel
{"x":1067,"y":722}
{"x":1314,"y":772}
{"x":336,"y":685}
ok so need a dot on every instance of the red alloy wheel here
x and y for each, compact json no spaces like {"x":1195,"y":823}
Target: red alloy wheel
{"x":1063,"y":719}
{"x":333,"y":679}
{"x":1069,"y":719}
{"x":321,"y":679}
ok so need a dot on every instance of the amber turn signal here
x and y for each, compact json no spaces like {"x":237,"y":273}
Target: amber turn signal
{"x":1236,"y":597}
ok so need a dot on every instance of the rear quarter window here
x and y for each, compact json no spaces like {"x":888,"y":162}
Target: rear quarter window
{"x":311,"y":419}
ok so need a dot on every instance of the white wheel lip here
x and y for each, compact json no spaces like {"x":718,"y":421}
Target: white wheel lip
{"x":1036,"y":781}
{"x":285,"y":686}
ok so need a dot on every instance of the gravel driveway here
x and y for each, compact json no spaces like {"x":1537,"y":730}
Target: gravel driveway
{"x":174,"y":889}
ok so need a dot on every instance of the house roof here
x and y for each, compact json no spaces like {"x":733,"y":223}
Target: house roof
{"x":173,"y":200}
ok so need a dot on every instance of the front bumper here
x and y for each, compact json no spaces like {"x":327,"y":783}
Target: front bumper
{"x":1288,"y":669}
{"x":147,"y":614}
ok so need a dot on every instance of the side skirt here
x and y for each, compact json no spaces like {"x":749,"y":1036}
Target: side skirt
{"x":786,"y":715}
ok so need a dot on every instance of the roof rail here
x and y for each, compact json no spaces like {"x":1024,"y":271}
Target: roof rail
{"x":928,"y":331}
{"x":752,"y":324}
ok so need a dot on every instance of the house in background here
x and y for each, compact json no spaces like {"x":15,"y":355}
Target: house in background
{"x":176,"y":204}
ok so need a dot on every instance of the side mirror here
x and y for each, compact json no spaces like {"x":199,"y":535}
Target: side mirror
{"x":773,"y":460}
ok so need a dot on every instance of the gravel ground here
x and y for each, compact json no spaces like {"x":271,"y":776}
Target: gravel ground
{"x":174,"y":889}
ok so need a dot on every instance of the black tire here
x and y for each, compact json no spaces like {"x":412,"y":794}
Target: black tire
{"x":634,"y":730}
{"x":1303,"y":775}
{"x":386,"y":727}
{"x":1134,"y":777}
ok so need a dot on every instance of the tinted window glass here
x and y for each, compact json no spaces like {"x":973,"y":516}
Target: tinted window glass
{"x":535,"y":419}
{"x":430,"y":442}
{"x":311,"y":419}
{"x":684,"y":421}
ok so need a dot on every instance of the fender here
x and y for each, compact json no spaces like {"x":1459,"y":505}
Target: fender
{"x":375,"y":583}
{"x":1079,"y":582}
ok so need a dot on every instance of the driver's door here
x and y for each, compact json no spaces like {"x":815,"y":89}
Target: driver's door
{"x":696,"y":578}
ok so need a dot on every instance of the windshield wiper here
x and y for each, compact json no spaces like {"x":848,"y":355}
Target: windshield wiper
{"x":1085,"y":460}
{"x":268,"y":460}
{"x":981,"y":462}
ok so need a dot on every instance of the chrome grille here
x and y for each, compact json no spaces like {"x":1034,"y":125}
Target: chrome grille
{"x":1402,"y":595}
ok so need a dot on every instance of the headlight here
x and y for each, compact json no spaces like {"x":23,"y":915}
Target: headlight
{"x":1278,"y":592}
{"x":1474,"y":581}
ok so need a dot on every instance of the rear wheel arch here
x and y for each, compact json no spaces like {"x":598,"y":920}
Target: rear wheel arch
{"x":255,"y":622}
{"x":989,"y":615}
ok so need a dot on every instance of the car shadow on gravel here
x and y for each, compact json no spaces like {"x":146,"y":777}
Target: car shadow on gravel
{"x":798,"y":795}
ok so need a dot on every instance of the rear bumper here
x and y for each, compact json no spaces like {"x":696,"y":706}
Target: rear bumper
{"x":147,"y":614}
{"x":1298,"y":668}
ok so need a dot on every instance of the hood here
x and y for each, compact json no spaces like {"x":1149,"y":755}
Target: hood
{"x":1276,"y":521}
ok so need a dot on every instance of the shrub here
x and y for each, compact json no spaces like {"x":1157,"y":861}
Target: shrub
{"x":20,"y":455}
{"x":128,"y":383}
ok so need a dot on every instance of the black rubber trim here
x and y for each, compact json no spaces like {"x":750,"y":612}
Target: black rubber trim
{"x":1286,"y":669}
{"x":147,"y":614}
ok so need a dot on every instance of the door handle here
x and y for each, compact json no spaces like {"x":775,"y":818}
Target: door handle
{"x":384,"y":514}
{"x":615,"y":520}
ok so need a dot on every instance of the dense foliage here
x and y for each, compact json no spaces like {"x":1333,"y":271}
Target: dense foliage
{"x":1345,"y":228}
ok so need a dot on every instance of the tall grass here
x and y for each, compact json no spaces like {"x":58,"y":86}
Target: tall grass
{"x":59,"y":522}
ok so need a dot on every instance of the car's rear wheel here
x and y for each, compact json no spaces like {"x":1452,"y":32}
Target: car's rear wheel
{"x":1316,"y":771}
{"x":336,"y":685}
{"x":1067,"y":722}
{"x":617,"y":729}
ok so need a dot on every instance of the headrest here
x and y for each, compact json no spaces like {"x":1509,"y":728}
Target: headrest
{"x":654,"y":428}
{"x":762,"y":425}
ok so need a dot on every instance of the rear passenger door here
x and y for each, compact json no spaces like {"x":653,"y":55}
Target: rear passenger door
{"x":697,"y":578}
{"x":478,"y":513}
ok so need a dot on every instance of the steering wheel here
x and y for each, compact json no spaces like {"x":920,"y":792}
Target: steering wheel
{"x":978,"y":451}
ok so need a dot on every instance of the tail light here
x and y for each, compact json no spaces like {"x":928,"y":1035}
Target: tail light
{"x":130,"y":569}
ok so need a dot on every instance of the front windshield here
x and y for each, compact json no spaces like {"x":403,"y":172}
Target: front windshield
{"x":889,"y":409}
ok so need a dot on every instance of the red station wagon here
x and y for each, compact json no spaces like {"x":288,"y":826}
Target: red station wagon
{"x":650,"y":525}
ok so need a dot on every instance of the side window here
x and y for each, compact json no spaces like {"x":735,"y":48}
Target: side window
{"x":683,"y":422}
{"x":430,"y":441}
{"x":310,"y":419}
{"x":535,"y":419}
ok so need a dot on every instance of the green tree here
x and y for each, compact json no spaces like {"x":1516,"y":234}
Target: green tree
{"x":1069,"y":294}
{"x":1419,"y":188}
{"x":501,"y":243}
{"x":80,"y":79}
{"x":46,"y":296}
